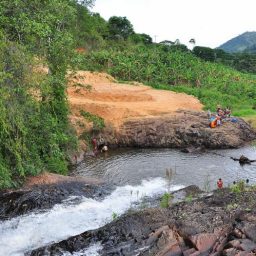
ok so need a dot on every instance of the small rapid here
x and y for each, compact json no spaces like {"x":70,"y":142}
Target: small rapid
{"x":73,"y":217}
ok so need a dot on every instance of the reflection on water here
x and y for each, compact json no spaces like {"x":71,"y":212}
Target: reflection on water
{"x":130,"y":166}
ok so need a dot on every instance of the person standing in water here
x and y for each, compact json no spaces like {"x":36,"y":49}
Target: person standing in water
{"x":94,"y":144}
{"x":220,"y":183}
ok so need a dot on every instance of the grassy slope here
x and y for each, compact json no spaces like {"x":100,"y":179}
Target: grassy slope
{"x":251,"y":120}
{"x":171,"y":69}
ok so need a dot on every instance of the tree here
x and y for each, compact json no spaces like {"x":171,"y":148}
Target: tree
{"x":120,"y":28}
{"x":90,"y":29}
{"x":34,"y":127}
{"x":204,"y":53}
{"x":141,"y":38}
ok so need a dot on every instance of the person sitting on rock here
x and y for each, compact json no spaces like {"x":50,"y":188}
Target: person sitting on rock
{"x":209,"y":114}
{"x":213,"y":122}
{"x":227,"y":112}
{"x":220,"y":183}
{"x":104,"y":148}
{"x":218,"y":109}
{"x":218,"y":120}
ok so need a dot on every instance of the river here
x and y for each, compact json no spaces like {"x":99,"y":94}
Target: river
{"x":135,"y":173}
{"x":130,"y":166}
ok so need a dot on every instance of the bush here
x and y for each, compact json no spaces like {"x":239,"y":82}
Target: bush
{"x":239,"y":187}
{"x":98,"y":122}
{"x":165,"y":200}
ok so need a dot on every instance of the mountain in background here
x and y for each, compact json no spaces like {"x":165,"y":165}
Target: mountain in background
{"x":245,"y":42}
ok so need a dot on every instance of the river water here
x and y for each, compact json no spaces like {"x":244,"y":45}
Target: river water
{"x":130,"y":166}
{"x":136,"y":173}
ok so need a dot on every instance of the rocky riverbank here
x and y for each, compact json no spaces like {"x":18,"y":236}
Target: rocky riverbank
{"x":46,"y":190}
{"x":186,"y":128}
{"x":223,"y":223}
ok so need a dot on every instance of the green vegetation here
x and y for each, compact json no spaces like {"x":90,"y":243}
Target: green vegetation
{"x":189,"y":198}
{"x":245,"y":42}
{"x":166,"y":200}
{"x":244,"y":61}
{"x":175,"y":68}
{"x":239,"y":187}
{"x":35,"y":133}
{"x":87,"y":137}
{"x":207,"y":182}
{"x":98,"y":122}
{"x":114,"y":216}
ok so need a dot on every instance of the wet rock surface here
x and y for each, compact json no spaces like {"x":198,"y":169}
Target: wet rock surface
{"x":185,"y":129}
{"x":45,"y":196}
{"x":223,"y":223}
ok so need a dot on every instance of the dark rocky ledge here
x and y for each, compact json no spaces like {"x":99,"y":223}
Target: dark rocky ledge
{"x":46,"y":194}
{"x":222,"y":223}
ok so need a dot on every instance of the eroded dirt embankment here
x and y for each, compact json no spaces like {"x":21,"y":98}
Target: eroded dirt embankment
{"x":140,"y":116}
{"x":100,"y":94}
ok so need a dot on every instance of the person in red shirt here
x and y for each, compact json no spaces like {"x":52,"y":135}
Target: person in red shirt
{"x":220,"y":183}
{"x":94,"y":144}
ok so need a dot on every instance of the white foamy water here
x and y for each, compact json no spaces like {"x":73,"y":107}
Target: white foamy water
{"x":31,"y":231}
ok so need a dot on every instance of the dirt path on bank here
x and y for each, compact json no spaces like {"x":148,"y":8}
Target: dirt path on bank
{"x":100,"y":94}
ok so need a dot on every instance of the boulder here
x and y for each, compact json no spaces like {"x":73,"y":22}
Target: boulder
{"x":186,"y":129}
{"x":204,"y":242}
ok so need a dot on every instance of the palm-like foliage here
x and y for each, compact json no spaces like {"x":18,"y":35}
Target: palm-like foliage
{"x":173,"y":69}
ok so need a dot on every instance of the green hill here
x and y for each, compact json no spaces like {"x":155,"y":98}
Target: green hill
{"x":245,"y":42}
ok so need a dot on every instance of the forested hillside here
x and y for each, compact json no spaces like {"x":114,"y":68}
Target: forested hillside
{"x":245,"y":42}
{"x":35,"y":134}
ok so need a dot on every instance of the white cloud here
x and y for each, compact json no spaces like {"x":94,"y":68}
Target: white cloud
{"x":210,"y":22}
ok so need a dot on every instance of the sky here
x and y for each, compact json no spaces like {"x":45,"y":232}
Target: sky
{"x":210,"y":22}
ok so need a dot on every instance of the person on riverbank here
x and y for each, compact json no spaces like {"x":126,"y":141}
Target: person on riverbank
{"x":104,"y":148}
{"x":209,"y":114}
{"x":220,"y":183}
{"x":94,"y":144}
{"x":227,"y":112}
{"x":213,"y":122}
{"x":218,"y":118}
{"x":218,"y":110}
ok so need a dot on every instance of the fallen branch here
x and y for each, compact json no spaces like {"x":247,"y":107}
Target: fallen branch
{"x":243,"y":160}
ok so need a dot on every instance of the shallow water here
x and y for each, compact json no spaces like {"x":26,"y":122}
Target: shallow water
{"x":130,"y":166}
